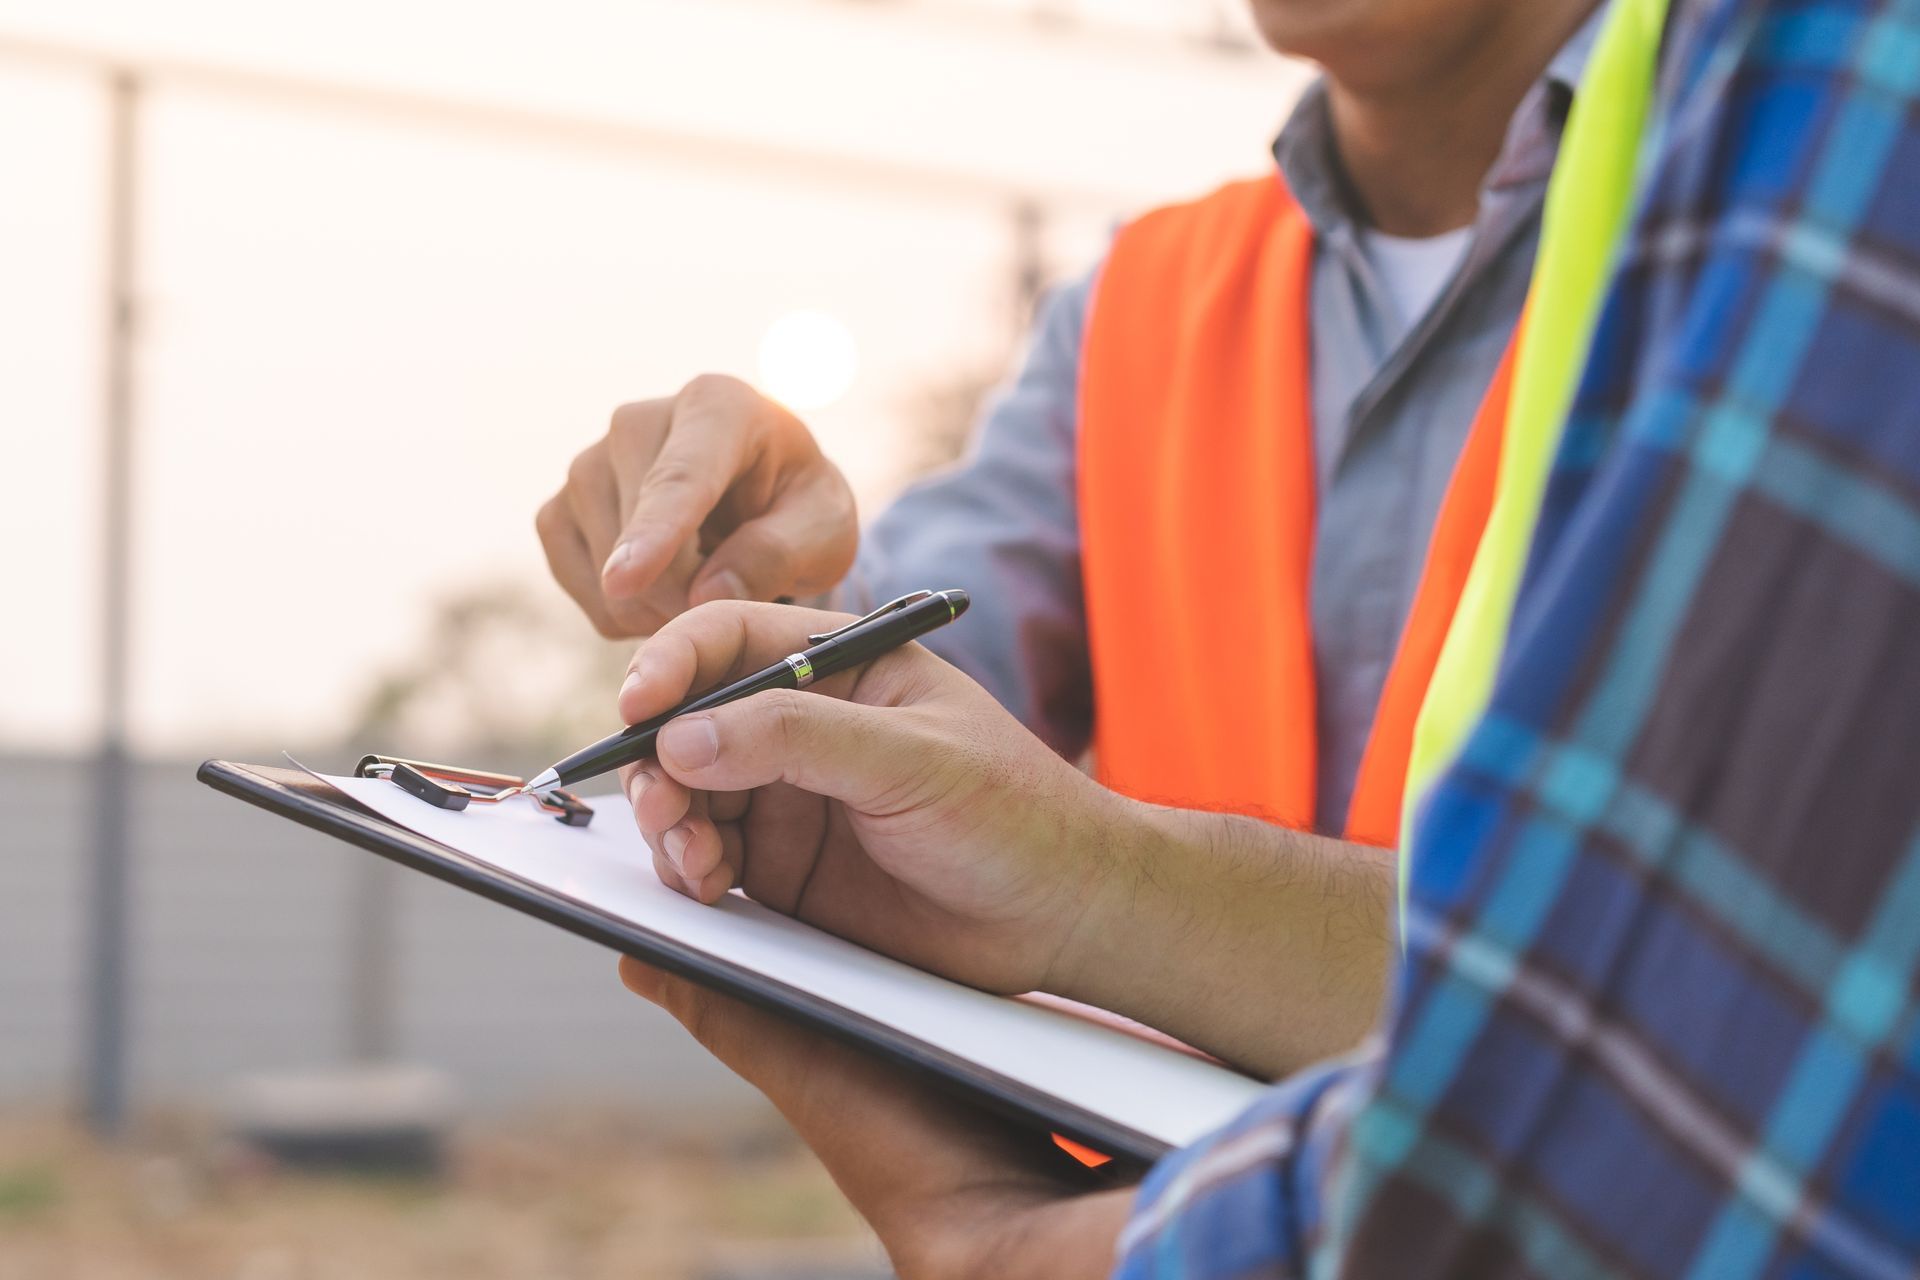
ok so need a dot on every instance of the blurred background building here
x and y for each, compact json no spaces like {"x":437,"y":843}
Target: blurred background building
{"x":303,"y":312}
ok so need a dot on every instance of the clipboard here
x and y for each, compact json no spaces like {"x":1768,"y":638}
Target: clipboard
{"x":313,"y":802}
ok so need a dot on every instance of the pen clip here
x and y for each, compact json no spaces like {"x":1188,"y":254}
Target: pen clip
{"x":891,"y":606}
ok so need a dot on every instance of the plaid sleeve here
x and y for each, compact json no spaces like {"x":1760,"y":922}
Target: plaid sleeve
{"x":1241,"y":1203}
{"x":1661,"y":1012}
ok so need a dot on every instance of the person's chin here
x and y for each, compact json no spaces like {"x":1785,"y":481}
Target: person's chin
{"x":1287,"y":24}
{"x":1318,"y":29}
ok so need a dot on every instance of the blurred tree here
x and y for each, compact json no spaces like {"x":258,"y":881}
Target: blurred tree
{"x":505,"y":679}
{"x":945,"y":413}
{"x":942,"y":417}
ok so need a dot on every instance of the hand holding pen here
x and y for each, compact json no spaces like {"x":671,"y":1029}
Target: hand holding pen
{"x":897,"y":805}
{"x":896,"y":623}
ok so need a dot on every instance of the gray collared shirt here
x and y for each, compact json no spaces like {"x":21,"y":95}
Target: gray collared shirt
{"x":1392,"y":407}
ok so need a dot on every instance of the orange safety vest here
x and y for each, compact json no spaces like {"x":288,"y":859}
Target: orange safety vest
{"x":1197,"y":514}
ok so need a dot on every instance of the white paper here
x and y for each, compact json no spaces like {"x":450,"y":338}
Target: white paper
{"x":1148,"y":1087}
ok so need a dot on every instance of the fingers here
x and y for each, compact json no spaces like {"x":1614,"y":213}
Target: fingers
{"x":713,"y":644}
{"x":706,"y":890}
{"x":719,"y":466}
{"x":699,"y":458}
{"x":933,"y":1177}
{"x":768,"y":1051}
{"x":633,"y":444}
{"x":691,"y":853}
{"x":728,"y":806}
{"x":802,"y":546}
{"x":572,"y":564}
{"x":786,"y":829}
{"x":822,"y":744}
{"x":765,"y":1050}
{"x":875,"y":759}
{"x":577,"y":529}
{"x":658,"y":802}
{"x":693,"y":847}
{"x":593,"y":499}
{"x":633,"y":441}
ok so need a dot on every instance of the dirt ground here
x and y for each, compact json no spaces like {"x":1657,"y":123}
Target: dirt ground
{"x":561,"y":1197}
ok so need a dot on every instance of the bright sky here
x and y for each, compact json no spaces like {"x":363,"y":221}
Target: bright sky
{"x":378,"y":325}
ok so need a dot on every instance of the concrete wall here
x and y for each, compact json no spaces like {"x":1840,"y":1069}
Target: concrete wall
{"x":241,"y":962}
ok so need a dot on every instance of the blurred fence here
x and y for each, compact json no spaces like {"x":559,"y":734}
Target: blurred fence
{"x":243,"y":937}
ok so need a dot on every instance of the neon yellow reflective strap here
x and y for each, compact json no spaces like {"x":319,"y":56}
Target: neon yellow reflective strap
{"x":1587,"y":204}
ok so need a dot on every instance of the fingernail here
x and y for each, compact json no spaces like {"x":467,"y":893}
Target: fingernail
{"x":675,"y":842}
{"x":632,"y":682}
{"x":637,"y":786}
{"x":621,"y":554}
{"x":690,"y":742}
{"x":724,"y":585}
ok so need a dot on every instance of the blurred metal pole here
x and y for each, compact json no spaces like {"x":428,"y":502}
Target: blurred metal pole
{"x":1029,"y":264}
{"x":370,"y":961}
{"x":105,"y":1063}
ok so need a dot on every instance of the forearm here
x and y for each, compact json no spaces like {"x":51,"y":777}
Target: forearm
{"x":1267,"y":947}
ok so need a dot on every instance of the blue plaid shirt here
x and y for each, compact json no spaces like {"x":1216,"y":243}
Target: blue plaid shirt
{"x":1659,"y":1014}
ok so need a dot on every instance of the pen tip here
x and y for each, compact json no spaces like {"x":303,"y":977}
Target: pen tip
{"x":957,"y":602}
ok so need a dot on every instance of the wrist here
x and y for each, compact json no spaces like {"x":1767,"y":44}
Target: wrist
{"x":1071,"y":1238}
{"x":1134,"y":868}
{"x":1264,"y":946}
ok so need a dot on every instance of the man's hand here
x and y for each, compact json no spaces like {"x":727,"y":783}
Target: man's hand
{"x":905,"y":810}
{"x":716,"y":493}
{"x":900,"y":806}
{"x":953,"y":1194}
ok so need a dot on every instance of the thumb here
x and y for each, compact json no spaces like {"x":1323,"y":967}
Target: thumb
{"x":870,"y":758}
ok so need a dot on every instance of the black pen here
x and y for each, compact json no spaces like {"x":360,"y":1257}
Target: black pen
{"x":893,"y":624}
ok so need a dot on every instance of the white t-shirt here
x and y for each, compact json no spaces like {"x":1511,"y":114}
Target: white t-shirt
{"x":1415,"y":272}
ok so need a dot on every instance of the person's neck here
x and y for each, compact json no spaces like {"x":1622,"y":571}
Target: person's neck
{"x":1416,"y":149}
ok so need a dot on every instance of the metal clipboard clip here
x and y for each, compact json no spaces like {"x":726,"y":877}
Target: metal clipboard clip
{"x":449,"y":787}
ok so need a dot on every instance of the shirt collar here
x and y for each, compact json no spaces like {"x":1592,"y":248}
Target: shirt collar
{"x":1304,"y":149}
{"x":1570,"y":64}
